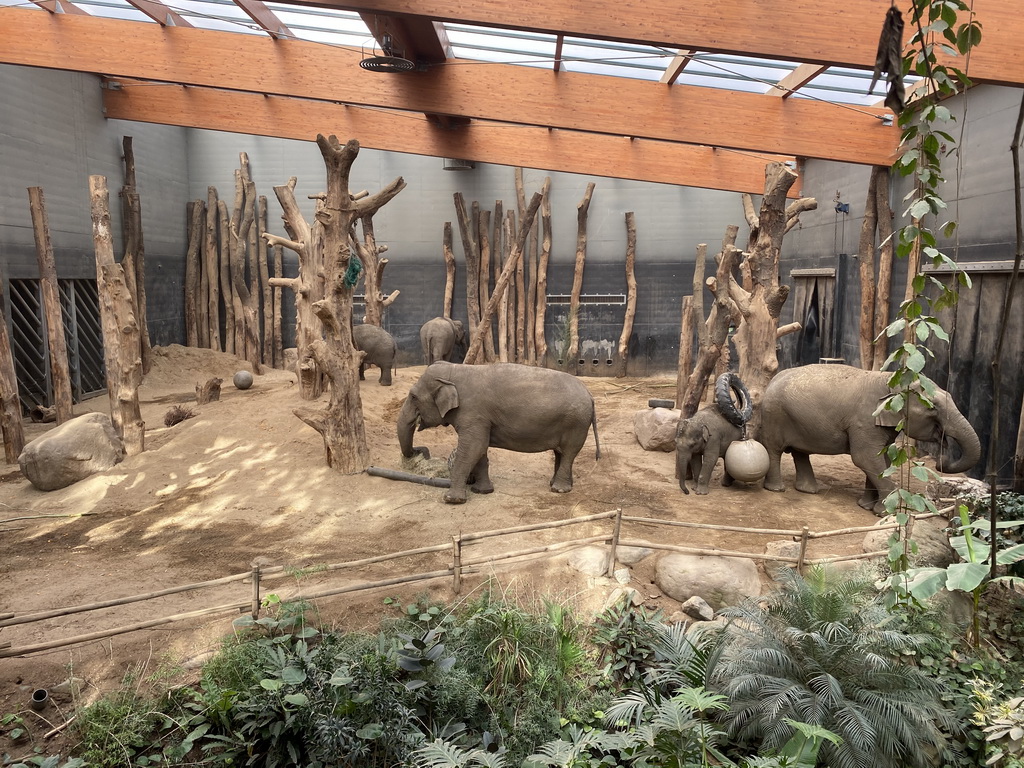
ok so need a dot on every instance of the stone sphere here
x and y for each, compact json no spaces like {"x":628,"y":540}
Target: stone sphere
{"x":243,"y":380}
{"x":746,"y":460}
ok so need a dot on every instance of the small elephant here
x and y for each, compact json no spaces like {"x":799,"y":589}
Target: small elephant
{"x":830,"y":409}
{"x":502,"y":405}
{"x":380,"y":348}
{"x":701,"y":441}
{"x":439,"y":337}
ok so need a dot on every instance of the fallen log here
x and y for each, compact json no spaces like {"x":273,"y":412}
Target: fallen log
{"x":409,"y":477}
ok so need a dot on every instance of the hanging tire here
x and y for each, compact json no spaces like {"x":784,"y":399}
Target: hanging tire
{"x":733,"y":399}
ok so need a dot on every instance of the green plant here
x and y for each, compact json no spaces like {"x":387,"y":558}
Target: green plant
{"x":1002,"y":721}
{"x":801,"y":751}
{"x":822,"y":650}
{"x":15,"y":723}
{"x":626,"y":634}
{"x":118,"y":730}
{"x":51,"y":761}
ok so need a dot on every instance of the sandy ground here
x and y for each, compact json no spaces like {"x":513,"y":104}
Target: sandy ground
{"x":245,"y":481}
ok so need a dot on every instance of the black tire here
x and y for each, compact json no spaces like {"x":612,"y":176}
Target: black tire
{"x":656,"y":403}
{"x":736,"y":411}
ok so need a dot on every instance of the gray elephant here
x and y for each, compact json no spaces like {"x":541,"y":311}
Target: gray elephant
{"x":502,"y":405}
{"x":701,"y":441}
{"x":439,"y":337}
{"x":380,"y":348}
{"x":830,"y":409}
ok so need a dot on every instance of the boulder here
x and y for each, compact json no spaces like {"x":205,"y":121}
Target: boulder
{"x":592,"y":561}
{"x":781,"y":548}
{"x":655,"y":429}
{"x":933,"y":547}
{"x":632,"y":555}
{"x":71,"y":452}
{"x":721,"y":581}
{"x":698,"y":608}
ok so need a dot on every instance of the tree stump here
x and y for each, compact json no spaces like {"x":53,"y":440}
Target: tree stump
{"x":209,"y":391}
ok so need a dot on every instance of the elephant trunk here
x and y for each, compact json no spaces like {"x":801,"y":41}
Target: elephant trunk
{"x":957,"y":428}
{"x":682,"y":464}
{"x":407,"y":419}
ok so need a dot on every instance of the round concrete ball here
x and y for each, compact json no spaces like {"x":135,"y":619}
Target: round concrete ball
{"x":242,"y":380}
{"x":746,"y":460}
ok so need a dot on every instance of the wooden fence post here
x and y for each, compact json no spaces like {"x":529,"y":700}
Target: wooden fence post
{"x":457,"y":563}
{"x":615,"y":542}
{"x":255,"y":591}
{"x":803,"y":550}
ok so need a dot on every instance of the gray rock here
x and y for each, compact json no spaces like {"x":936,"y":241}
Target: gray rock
{"x":933,"y":548}
{"x":71,"y":452}
{"x":720,"y":581}
{"x":655,"y":429}
{"x":622,"y":575}
{"x":623,"y":595}
{"x":632,"y":555}
{"x":698,"y":608}
{"x":592,"y":561}
{"x":782,"y":548}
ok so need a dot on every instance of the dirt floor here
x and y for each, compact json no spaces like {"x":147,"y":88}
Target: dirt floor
{"x":245,"y":481}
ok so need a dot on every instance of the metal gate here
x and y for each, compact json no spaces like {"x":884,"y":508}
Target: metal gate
{"x":31,"y":349}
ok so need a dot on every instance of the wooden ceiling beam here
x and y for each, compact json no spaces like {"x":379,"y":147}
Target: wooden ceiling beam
{"x":266,"y":18}
{"x":844,"y":35}
{"x":60,"y":6}
{"x":676,"y":66}
{"x":575,"y":101}
{"x":796,"y":80}
{"x":527,"y":146}
{"x":160,"y":13}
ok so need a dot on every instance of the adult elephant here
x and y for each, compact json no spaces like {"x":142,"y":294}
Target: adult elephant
{"x":502,"y":405}
{"x":380,"y":348}
{"x":830,"y":409}
{"x":439,"y":337}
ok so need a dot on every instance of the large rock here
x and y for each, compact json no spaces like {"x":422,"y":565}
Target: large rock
{"x":655,"y":429}
{"x":933,"y":547}
{"x":720,"y":581}
{"x":71,"y":452}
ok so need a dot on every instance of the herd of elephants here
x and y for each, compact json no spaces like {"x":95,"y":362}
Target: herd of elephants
{"x":822,"y":408}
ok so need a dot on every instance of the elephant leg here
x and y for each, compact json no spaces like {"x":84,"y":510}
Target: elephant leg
{"x":693,"y":470}
{"x":773,"y":478}
{"x":480,"y":478}
{"x":708,"y":461}
{"x":385,"y":376}
{"x":871,"y":498}
{"x":727,"y":479}
{"x":362,"y":368}
{"x":869,"y":460}
{"x":805,"y":482}
{"x":561,"y":481}
{"x":469,"y":453}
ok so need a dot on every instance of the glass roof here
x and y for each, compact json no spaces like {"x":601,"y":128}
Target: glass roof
{"x":601,"y":57}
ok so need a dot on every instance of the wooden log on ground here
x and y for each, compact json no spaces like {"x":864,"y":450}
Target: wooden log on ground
{"x":135,"y":253}
{"x":627,"y":321}
{"x":449,"y":270}
{"x":10,"y":402}
{"x":121,"y":345}
{"x":409,"y":477}
{"x":515,"y":258}
{"x":212,"y":271}
{"x":193,"y":271}
{"x":208,"y":391}
{"x":540,"y":337}
{"x":42,"y":414}
{"x":866,"y":256}
{"x":582,"y":210}
{"x":60,"y":374}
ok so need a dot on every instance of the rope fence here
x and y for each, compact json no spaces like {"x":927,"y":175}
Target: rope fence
{"x":459,"y":567}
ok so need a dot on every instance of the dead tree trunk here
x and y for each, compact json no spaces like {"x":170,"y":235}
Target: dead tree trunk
{"x":885,"y":237}
{"x":135,"y":252}
{"x":193,"y":272}
{"x":264,"y":274}
{"x":341,"y":422}
{"x":307,"y":287}
{"x":277,"y":294}
{"x":627,"y":321}
{"x":685,"y":350}
{"x":247,"y":319}
{"x":515,"y":257}
{"x":518,"y":328}
{"x":121,"y":344}
{"x":760,"y":305}
{"x":209,"y":391}
{"x":577,"y":277}
{"x":226,"y":294}
{"x":10,"y":402}
{"x":212,"y":271}
{"x":449,"y":270}
{"x":866,"y":255}
{"x":483,"y":223}
{"x":60,"y":375}
{"x":540,"y":339}
{"x":470,"y":248}
{"x":498,"y":251}
{"x":373,"y":269}
{"x":531,"y":294}
{"x":508,"y":297}
{"x":202,"y":284}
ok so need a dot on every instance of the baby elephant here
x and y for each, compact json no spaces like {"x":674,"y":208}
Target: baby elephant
{"x":701,"y":441}
{"x":379,"y":346}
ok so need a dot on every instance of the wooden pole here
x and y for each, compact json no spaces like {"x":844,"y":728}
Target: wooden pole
{"x":884,"y":281}
{"x":483,"y":223}
{"x":685,"y":350}
{"x":506,"y":274}
{"x":449,"y":270}
{"x":531,"y":294}
{"x":627,"y":320}
{"x":121,"y":346}
{"x":60,"y":375}
{"x":277,"y":295}
{"x":508,"y":298}
{"x":498,"y":245}
{"x":247,"y":343}
{"x":612,"y":550}
{"x":803,"y":550}
{"x":193,"y":271}
{"x":135,"y":252}
{"x":10,"y":402}
{"x":264,"y":273}
{"x":212,"y":272}
{"x":470,"y":248}
{"x":224,"y":260}
{"x":457,"y":564}
{"x":255,"y":591}
{"x":540,"y":339}
{"x":577,"y":278}
{"x":866,"y":255}
{"x":518,"y":327}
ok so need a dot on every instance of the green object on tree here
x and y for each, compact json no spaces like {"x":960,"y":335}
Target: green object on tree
{"x":355,"y":266}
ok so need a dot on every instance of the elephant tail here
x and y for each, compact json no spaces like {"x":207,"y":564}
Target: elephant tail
{"x":597,"y":443}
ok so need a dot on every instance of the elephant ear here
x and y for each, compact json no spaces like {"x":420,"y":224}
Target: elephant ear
{"x":886,"y":418}
{"x":446,"y":397}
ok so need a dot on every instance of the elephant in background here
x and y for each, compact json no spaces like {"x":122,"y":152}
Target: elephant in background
{"x":701,"y":441}
{"x":439,"y":337}
{"x":830,"y":409}
{"x":502,"y":405}
{"x":380,"y":348}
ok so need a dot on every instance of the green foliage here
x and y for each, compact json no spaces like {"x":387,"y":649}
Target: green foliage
{"x":118,"y":730}
{"x":822,"y":651}
{"x":1002,"y":721}
{"x":51,"y":761}
{"x":626,"y":636}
